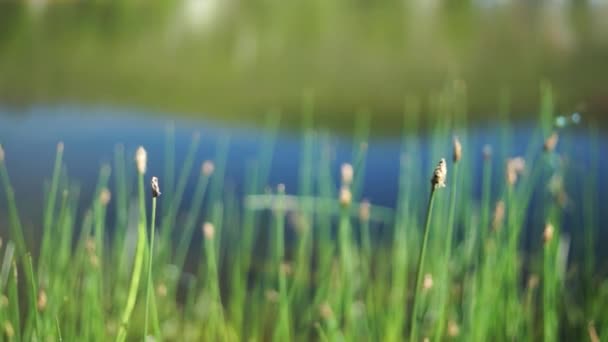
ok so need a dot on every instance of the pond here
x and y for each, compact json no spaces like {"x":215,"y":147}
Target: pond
{"x":92,"y":135}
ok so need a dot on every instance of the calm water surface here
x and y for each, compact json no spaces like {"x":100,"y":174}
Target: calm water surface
{"x":91,"y":135}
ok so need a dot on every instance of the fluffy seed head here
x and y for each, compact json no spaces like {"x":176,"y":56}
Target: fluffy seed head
{"x":364,"y":210}
{"x":548,"y":233}
{"x":347,"y":174}
{"x":281,"y":188}
{"x":499,"y":215}
{"x":286,"y":268}
{"x":155,"y":187}
{"x":9,"y":331}
{"x":272,"y":296}
{"x":42,"y":300}
{"x":208,"y":231}
{"x":1,"y":154}
{"x":551,"y":142}
{"x":326,"y":311}
{"x":207,"y":168}
{"x":439,"y":175}
{"x":453,"y":329}
{"x":346,"y":196}
{"x":161,"y":290}
{"x":141,"y":159}
{"x":104,"y":196}
{"x":427,"y":283}
{"x":457,"y":149}
{"x":60,"y":147}
{"x":515,"y":167}
{"x":533,"y":281}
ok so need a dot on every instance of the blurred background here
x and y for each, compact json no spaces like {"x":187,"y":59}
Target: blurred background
{"x":95,"y":74}
{"x":232,"y":61}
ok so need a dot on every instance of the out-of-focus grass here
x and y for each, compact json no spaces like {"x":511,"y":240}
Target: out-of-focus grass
{"x":317,"y":262}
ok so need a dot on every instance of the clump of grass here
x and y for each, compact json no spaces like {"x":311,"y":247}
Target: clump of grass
{"x":317,"y":263}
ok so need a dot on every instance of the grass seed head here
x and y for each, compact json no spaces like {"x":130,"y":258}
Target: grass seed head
{"x":427,"y":283}
{"x":515,"y":167}
{"x":326,"y":311}
{"x":42,"y":300}
{"x":9,"y":331}
{"x":60,"y":147}
{"x":272,"y":296}
{"x":439,"y":175}
{"x":141,"y":159}
{"x":208,"y":231}
{"x":161,"y":290}
{"x":207,"y":168}
{"x":155,"y":187}
{"x":105,"y":196}
{"x":364,"y":210}
{"x":1,"y":154}
{"x":548,"y":233}
{"x":551,"y":142}
{"x":499,"y":215}
{"x":453,"y":329}
{"x":457,"y":149}
{"x":347,"y":174}
{"x":346,"y":197}
{"x":533,"y":281}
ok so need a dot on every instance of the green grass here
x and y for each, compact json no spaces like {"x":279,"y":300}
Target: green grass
{"x":309,"y":263}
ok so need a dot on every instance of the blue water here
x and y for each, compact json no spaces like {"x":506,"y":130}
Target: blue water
{"x":90,"y":136}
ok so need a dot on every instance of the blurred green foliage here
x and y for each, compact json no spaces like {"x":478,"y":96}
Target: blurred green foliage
{"x":236,"y":59}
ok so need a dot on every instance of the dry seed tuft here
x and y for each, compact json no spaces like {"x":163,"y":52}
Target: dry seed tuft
{"x":347,"y":174}
{"x":551,"y":142}
{"x":208,"y":231}
{"x":155,"y":187}
{"x":272,"y":296}
{"x":207,"y":168}
{"x":1,"y":154}
{"x":161,"y":290}
{"x":548,"y":233}
{"x":515,"y":167}
{"x":364,"y":210}
{"x":9,"y":331}
{"x":439,"y":175}
{"x":499,"y":215}
{"x":42,"y":300}
{"x":457,"y":149}
{"x":104,"y":196}
{"x":326,"y":311}
{"x":533,"y":281}
{"x":427,"y":283}
{"x":453,"y":329}
{"x":60,"y":146}
{"x":141,"y":159}
{"x":346,"y":196}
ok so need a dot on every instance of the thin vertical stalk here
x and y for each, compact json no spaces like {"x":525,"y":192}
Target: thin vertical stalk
{"x":137,"y":264}
{"x":150,"y":261}
{"x":445,"y":284}
{"x":427,"y":226}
